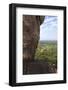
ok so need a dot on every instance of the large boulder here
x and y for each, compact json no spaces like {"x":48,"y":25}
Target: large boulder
{"x":31,"y":35}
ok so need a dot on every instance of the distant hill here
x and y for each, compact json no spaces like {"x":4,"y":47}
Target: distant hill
{"x":48,"y":42}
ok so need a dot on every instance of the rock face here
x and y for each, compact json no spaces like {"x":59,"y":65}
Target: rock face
{"x":31,"y":35}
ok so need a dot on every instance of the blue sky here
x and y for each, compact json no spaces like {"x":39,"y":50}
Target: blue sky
{"x":48,"y":29}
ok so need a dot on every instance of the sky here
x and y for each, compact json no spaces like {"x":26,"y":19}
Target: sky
{"x":48,"y":29}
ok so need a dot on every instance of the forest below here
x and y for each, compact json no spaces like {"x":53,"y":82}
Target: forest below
{"x":47,"y":51}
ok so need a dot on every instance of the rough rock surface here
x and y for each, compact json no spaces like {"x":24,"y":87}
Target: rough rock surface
{"x":31,"y":34}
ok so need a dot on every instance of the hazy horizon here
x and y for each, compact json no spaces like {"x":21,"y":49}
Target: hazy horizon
{"x":48,"y":40}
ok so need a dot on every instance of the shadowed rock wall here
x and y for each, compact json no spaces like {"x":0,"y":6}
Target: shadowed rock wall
{"x":31,"y":35}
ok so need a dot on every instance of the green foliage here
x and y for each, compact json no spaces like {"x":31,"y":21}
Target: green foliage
{"x":41,"y":19}
{"x":47,"y":51}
